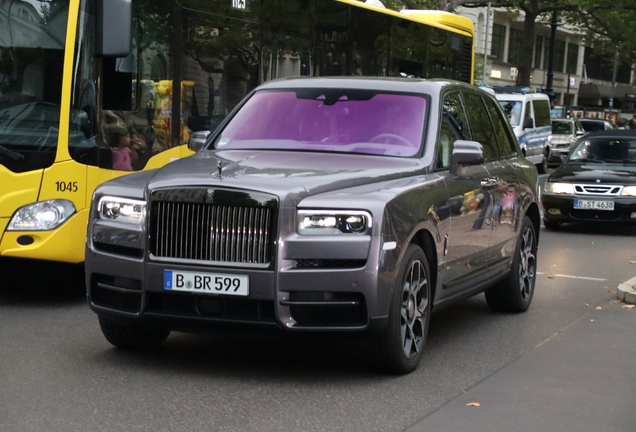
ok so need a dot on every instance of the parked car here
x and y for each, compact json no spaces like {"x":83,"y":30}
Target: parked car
{"x":565,"y":133}
{"x":322,"y":204}
{"x":593,"y":125}
{"x":530,"y":118}
{"x":597,"y":182}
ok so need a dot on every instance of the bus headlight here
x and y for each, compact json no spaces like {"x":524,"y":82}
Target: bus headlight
{"x":122,"y":210}
{"x":317,"y":222}
{"x":559,"y":188}
{"x":41,"y":216}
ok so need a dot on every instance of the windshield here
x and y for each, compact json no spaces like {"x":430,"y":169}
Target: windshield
{"x":605,"y":150}
{"x":349,"y":121}
{"x":512,"y":110}
{"x":32,"y":37}
{"x":562,"y":128}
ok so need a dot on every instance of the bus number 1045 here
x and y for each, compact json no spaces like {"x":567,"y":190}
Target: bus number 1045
{"x":61,"y":186}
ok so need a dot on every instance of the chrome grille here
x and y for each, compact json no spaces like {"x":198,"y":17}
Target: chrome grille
{"x":206,"y":232}
{"x":598,"y":189}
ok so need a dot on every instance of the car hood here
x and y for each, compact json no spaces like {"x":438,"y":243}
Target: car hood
{"x":282,"y":173}
{"x":561,"y":137}
{"x":595,"y":173}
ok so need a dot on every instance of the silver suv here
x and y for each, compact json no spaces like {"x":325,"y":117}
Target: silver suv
{"x":565,"y":133}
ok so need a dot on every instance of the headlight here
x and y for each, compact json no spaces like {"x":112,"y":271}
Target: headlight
{"x":559,"y":188}
{"x":321,"y":222}
{"x":41,"y":216}
{"x":122,"y":210}
{"x":629,"y":191}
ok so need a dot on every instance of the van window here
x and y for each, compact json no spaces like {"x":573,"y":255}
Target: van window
{"x":512,"y":110}
{"x":527,"y":113}
{"x":542,"y":113}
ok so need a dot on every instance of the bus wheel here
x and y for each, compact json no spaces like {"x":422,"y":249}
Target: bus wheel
{"x":130,"y":336}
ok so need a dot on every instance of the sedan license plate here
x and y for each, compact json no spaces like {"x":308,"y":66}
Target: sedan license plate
{"x":206,"y":283}
{"x":593,"y":205}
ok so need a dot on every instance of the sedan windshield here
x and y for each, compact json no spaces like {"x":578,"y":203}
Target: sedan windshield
{"x":605,"y":150}
{"x":562,"y":127}
{"x":331,"y":120}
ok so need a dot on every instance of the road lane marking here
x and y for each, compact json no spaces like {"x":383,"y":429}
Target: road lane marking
{"x":574,"y":277}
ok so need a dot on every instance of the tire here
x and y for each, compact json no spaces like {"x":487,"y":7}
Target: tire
{"x":400,"y":345}
{"x":543,"y":166}
{"x":130,"y":336}
{"x":514,"y":293}
{"x":551,"y":225}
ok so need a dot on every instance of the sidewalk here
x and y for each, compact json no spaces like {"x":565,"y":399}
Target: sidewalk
{"x":582,"y":379}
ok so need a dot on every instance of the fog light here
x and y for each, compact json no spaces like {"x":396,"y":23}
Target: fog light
{"x":633,"y":215}
{"x":554,"y":211}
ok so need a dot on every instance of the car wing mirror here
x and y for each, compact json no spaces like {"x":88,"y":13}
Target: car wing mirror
{"x":580,"y":132}
{"x":528,"y":123}
{"x":466,"y":153}
{"x":198,"y":139}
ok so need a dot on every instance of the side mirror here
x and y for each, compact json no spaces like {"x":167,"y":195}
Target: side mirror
{"x":198,"y":139}
{"x":466,"y":153}
{"x":580,"y":132}
{"x":113,"y":22}
{"x":556,"y":158}
{"x":528,"y":123}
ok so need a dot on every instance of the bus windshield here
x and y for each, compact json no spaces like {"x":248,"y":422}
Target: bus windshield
{"x":32,"y":38}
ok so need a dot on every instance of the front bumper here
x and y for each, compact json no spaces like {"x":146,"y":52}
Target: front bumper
{"x":560,"y":208}
{"x":354,"y":297}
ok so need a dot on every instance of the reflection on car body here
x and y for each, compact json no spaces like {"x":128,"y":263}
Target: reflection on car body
{"x":322,"y":204}
{"x":596,"y":183}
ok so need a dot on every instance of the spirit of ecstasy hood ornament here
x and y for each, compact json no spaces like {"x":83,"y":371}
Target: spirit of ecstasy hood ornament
{"x":220,"y":168}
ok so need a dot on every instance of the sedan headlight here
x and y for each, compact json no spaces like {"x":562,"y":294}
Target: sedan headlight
{"x":122,"y":210}
{"x":41,"y":216}
{"x":559,"y":188}
{"x":629,"y":191}
{"x":324,"y":222}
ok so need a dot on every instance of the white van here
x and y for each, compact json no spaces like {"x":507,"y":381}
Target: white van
{"x":529,"y":116}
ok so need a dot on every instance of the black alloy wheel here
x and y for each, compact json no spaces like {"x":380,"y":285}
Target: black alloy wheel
{"x":401,"y":344}
{"x":515,"y":292}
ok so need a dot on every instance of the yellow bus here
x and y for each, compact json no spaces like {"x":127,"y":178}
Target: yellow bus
{"x":95,"y":89}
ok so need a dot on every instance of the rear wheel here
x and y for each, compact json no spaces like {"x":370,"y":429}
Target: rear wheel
{"x":543,"y":166}
{"x":130,"y":336}
{"x":401,"y":343}
{"x":514,"y":293}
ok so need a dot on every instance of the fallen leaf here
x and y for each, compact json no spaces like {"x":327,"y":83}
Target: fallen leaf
{"x":550,"y":277}
{"x":553,"y":265}
{"x":632,"y":261}
{"x":606,"y":287}
{"x":473,"y":404}
{"x":598,"y":308}
{"x":629,"y":306}
{"x":592,"y":320}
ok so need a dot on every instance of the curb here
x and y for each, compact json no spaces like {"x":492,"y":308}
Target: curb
{"x":627,"y":291}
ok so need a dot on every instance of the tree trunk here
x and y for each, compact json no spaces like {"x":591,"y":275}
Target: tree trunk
{"x":527,"y":46}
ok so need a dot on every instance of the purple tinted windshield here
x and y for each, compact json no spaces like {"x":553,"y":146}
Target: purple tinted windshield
{"x":350,"y":122}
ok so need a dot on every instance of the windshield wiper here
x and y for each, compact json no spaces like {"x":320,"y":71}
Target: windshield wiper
{"x":14,"y":156}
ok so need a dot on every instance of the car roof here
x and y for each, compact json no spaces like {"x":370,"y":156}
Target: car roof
{"x":586,"y":119}
{"x":431,"y":86}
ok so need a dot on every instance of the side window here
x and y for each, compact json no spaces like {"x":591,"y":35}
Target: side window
{"x":481,"y":125}
{"x":454,"y":126}
{"x":542,"y":113}
{"x":503,"y":139}
{"x":527,"y":112}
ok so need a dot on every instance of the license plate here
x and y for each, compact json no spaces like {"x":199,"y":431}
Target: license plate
{"x":593,"y":205}
{"x":206,"y":283}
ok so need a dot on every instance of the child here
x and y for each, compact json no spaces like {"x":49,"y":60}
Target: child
{"x":119,"y":142}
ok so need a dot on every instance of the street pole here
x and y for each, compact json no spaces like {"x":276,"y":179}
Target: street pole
{"x":549,"y":87}
{"x":611,"y":99}
{"x":566,"y":102}
{"x":483,"y":74}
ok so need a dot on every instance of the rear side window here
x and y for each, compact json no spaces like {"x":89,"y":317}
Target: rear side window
{"x":542,"y":113}
{"x":503,"y":139}
{"x":481,"y":125}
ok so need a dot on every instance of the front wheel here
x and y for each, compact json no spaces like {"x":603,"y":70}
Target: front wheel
{"x":130,"y":336}
{"x":401,"y":343}
{"x":514,"y":293}
{"x":543,"y":166}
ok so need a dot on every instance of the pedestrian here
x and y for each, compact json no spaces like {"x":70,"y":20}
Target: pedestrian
{"x":632,"y":122}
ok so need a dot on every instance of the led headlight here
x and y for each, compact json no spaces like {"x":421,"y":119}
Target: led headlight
{"x":319,"y":222}
{"x":41,"y":216}
{"x":559,"y":188}
{"x":629,"y":191}
{"x":122,"y":210}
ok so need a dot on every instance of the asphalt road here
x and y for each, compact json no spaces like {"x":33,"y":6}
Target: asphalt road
{"x":57,"y":372}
